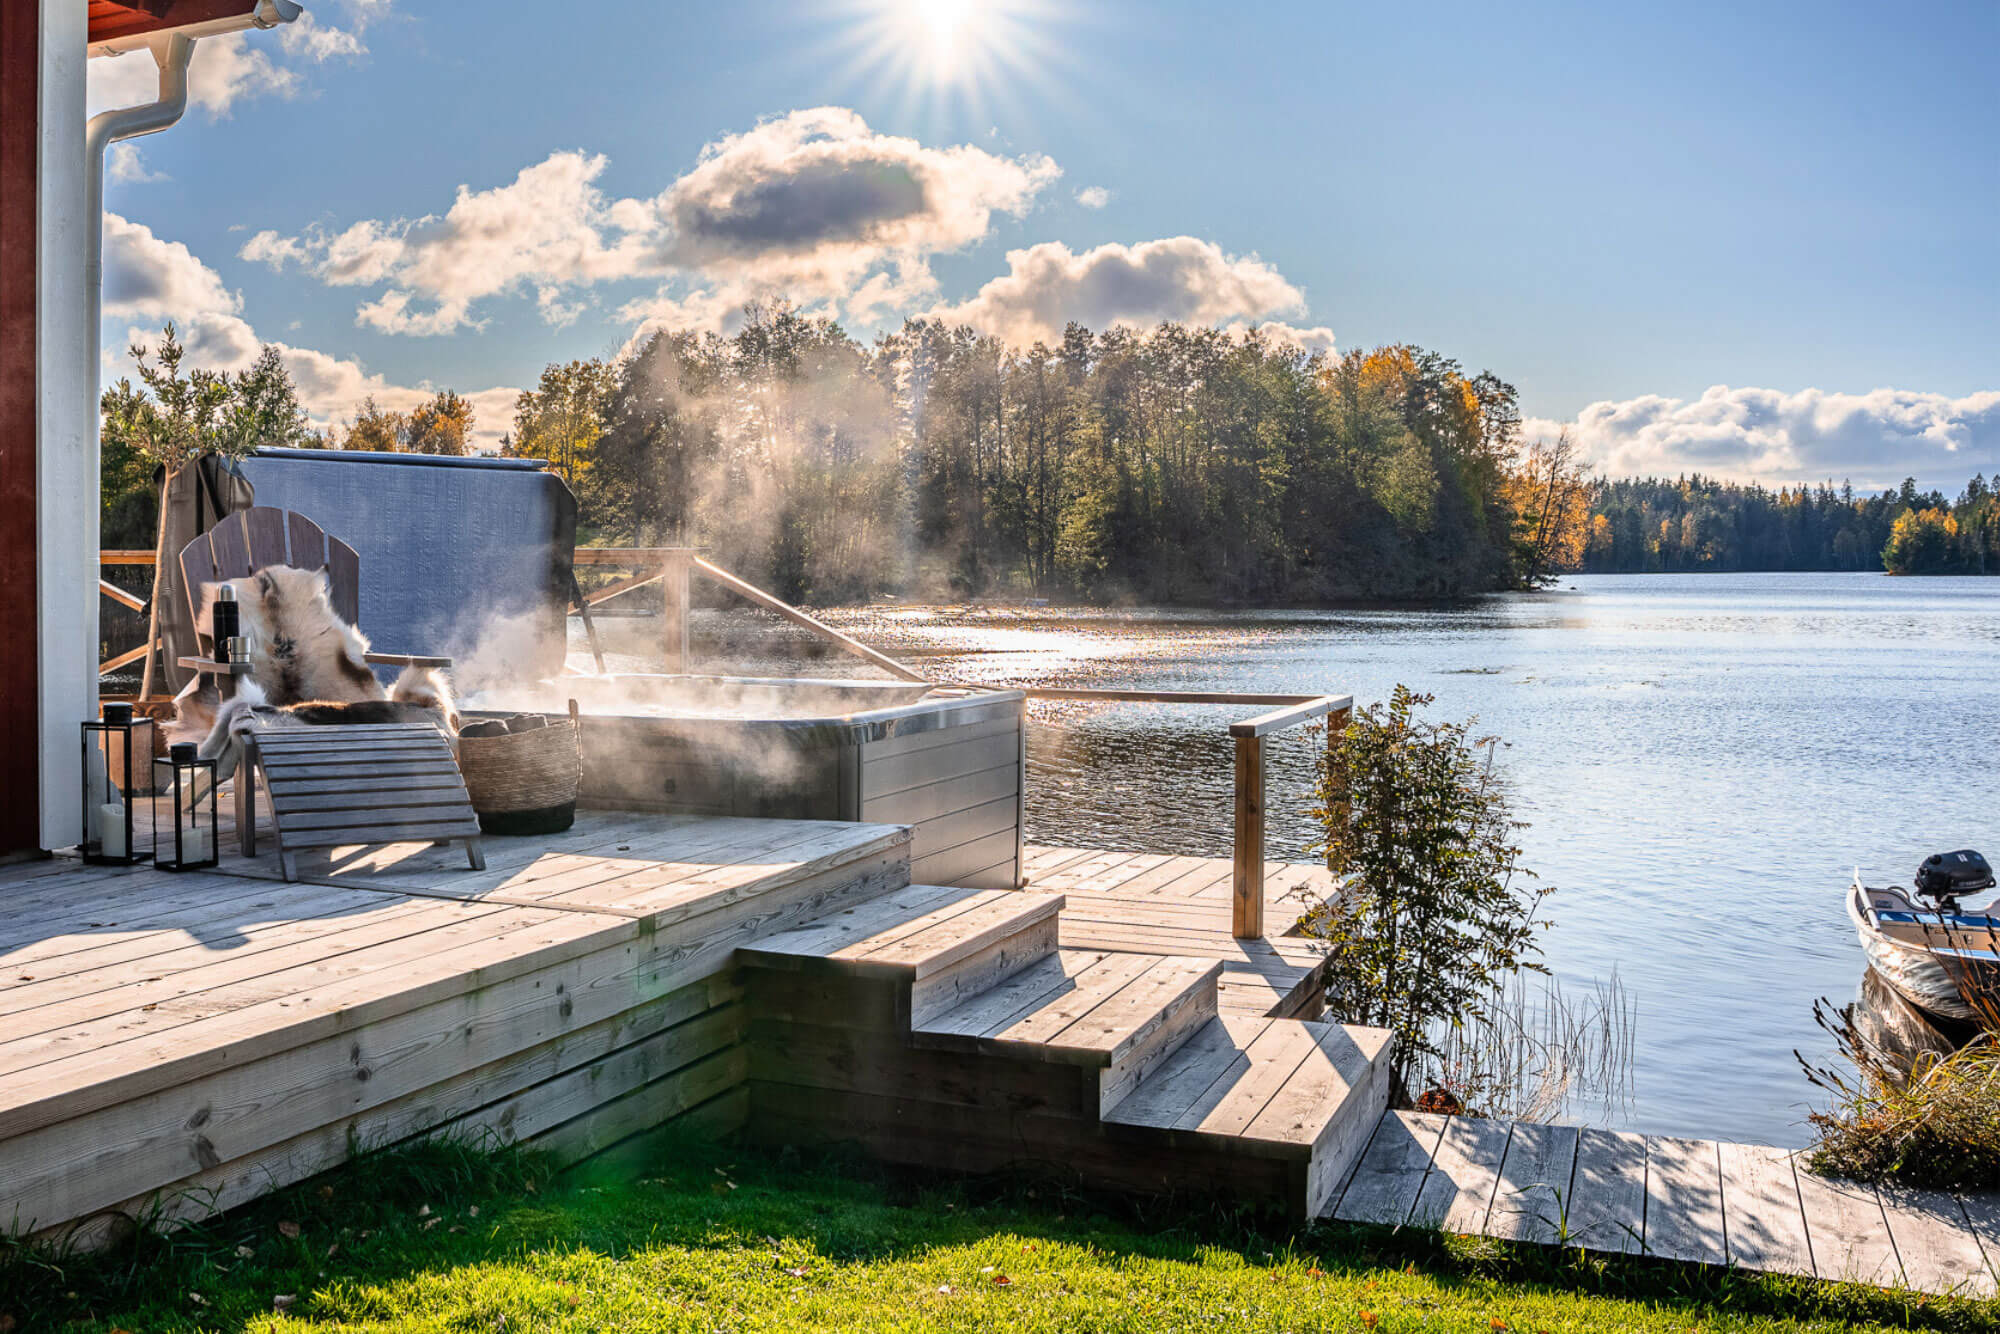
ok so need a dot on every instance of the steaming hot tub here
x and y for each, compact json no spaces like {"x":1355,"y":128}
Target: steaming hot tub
{"x":944,"y":760}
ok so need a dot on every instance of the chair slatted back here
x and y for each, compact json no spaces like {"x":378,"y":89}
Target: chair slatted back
{"x":262,"y":535}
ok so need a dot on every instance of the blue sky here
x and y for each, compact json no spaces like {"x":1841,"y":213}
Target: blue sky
{"x":1755,"y":240}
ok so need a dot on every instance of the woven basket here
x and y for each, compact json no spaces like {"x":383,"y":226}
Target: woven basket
{"x":524,"y":782}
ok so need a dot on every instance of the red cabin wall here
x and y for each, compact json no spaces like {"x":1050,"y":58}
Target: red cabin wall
{"x":20,"y":122}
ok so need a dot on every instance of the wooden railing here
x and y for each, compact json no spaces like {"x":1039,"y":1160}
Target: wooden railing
{"x":673,"y":566}
{"x":1246,"y":914}
{"x":123,"y":598}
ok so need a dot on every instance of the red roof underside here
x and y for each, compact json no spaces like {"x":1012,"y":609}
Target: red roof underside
{"x":135,"y":18}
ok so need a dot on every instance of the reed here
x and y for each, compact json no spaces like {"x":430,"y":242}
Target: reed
{"x":1538,"y":1053}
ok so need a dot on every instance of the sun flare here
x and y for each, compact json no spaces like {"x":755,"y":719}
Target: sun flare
{"x":975,"y":50}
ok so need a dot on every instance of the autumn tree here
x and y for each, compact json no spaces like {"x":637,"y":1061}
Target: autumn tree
{"x":440,"y":425}
{"x":563,"y":417}
{"x":1550,"y":495}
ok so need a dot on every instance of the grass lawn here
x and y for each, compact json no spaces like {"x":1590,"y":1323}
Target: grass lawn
{"x":699,"y":1237}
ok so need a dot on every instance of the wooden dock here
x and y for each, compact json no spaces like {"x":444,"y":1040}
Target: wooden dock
{"x":1701,"y":1201}
{"x":209,"y":1036}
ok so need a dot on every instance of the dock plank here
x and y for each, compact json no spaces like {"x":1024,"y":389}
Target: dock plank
{"x":1684,"y":1200}
{"x":1937,"y":1247}
{"x":1534,"y":1184}
{"x":1464,"y":1176}
{"x":1385,"y":1184}
{"x":1761,"y":1214}
{"x":1849,"y":1234}
{"x":1607,"y":1201}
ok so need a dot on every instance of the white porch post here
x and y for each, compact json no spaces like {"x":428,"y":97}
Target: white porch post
{"x":66,"y":463}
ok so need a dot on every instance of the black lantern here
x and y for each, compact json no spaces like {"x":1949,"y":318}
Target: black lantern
{"x":185,"y":836}
{"x":108,"y":784}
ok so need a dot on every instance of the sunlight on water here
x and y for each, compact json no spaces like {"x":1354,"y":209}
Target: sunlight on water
{"x":1703,"y":760}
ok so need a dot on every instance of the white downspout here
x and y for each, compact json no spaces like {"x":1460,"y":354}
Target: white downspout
{"x":172,"y":52}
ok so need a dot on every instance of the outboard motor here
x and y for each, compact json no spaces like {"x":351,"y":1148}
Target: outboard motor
{"x":1944,"y":876}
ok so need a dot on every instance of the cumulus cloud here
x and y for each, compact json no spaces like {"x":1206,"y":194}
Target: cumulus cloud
{"x":1178,"y":278}
{"x":1774,"y":436}
{"x":813,"y":205}
{"x":238,"y":66}
{"x":149,"y":279}
{"x":124,"y":164}
{"x":1093,"y":196}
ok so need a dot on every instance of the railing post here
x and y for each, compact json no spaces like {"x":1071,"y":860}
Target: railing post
{"x":674,"y":624}
{"x":1247,"y":910}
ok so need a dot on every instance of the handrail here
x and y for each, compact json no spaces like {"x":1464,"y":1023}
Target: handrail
{"x":1246,"y":915}
{"x":1266,"y":723}
{"x":675,"y":564}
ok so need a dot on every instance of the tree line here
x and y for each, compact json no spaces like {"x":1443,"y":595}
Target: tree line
{"x":1176,"y":464}
{"x":1697,"y":523}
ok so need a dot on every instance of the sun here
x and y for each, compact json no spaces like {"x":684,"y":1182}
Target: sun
{"x":970,"y":51}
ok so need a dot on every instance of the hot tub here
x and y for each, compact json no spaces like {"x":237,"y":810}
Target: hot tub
{"x":945,"y":760}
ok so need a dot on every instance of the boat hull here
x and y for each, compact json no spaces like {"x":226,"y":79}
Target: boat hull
{"x":1934,"y":960}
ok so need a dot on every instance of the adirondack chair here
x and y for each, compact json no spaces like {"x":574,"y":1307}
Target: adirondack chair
{"x":329,"y":786}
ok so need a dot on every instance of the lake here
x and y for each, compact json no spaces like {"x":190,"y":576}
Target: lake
{"x":1703,"y":761}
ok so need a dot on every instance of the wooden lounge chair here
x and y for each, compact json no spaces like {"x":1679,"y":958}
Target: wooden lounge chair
{"x":240,"y":546}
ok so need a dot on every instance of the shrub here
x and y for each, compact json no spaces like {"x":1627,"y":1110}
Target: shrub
{"x":1436,"y":914}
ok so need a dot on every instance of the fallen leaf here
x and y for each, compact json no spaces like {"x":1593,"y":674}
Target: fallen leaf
{"x":197,"y":1299}
{"x":289,"y":1229}
{"x":424,"y":1211}
{"x":430,"y":1223}
{"x":1315,"y":1272}
{"x":1497,"y":1325}
{"x":472,"y":1211}
{"x":332,"y":1250}
{"x":946,"y":1289}
{"x":284,"y":1301}
{"x":1370,"y":1319}
{"x":1002,"y":1281}
{"x":326,"y":1192}
{"x":797,"y":1273}
{"x":245,"y":1253}
{"x":989,"y":1269}
{"x":7,"y":1321}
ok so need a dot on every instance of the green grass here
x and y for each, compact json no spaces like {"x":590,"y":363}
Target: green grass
{"x":698,"y":1237}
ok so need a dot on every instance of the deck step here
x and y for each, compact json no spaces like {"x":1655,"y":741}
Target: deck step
{"x":1124,"y":1014}
{"x":1284,"y":1088}
{"x":948,"y":943}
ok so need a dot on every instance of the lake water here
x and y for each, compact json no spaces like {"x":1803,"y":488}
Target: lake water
{"x":1703,"y":761}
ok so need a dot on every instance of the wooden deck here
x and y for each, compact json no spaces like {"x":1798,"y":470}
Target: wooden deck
{"x":216,"y":1034}
{"x":1155,"y":903}
{"x":1701,"y":1201}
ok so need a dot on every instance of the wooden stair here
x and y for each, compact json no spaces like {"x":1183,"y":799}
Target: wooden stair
{"x":944,"y":1028}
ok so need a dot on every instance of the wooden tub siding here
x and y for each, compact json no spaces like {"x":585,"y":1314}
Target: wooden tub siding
{"x":960,"y":790}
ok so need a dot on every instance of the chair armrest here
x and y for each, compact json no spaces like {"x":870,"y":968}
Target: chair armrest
{"x":214,"y":668}
{"x":405,"y":660}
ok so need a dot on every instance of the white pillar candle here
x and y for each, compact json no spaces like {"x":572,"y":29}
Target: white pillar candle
{"x":110,"y":829}
{"x":196,"y":845}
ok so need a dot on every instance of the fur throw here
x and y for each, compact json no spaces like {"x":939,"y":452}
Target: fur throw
{"x":306,"y":662}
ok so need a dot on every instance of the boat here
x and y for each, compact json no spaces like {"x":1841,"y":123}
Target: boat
{"x":1939,"y":956}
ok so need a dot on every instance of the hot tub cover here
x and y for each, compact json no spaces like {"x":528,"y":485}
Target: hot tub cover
{"x":450,"y":548}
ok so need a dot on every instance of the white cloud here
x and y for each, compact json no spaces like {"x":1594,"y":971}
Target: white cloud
{"x":1178,"y":278}
{"x":813,"y":205}
{"x":147,"y":278}
{"x":1093,"y":196}
{"x":1769,"y":435}
{"x":124,"y":164}
{"x":152,"y":280}
{"x":237,"y":66}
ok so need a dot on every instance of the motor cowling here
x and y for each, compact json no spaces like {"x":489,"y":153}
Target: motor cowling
{"x":1946,"y":875}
